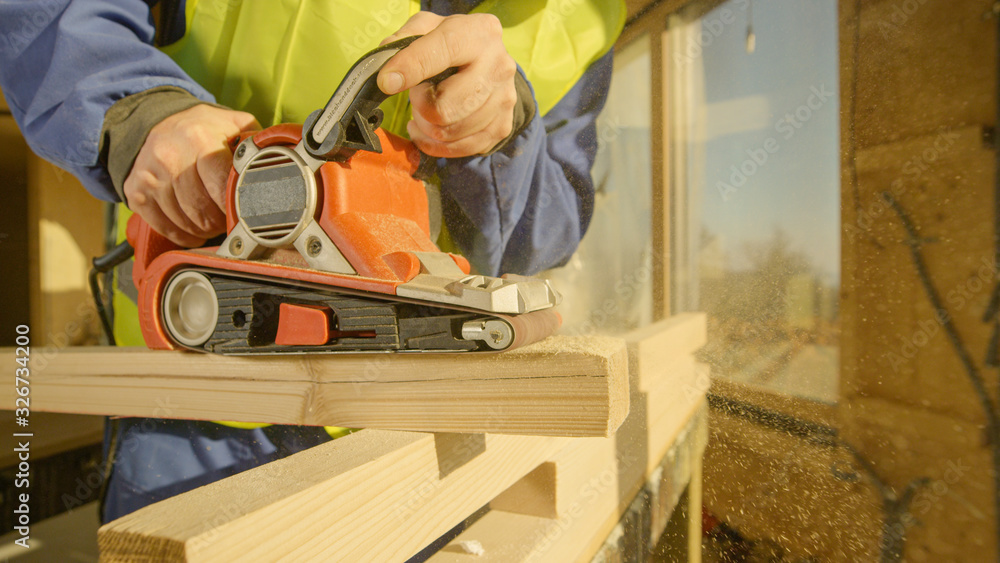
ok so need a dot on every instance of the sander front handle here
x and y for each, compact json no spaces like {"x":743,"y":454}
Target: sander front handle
{"x":348,"y":121}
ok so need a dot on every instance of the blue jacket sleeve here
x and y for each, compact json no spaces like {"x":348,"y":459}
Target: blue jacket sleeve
{"x":525,"y":208}
{"x":63,"y":63}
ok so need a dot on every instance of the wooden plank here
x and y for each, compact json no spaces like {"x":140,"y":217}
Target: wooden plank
{"x":594,"y":513}
{"x":14,"y":237}
{"x":694,"y":512}
{"x":660,"y":85}
{"x":321,"y":504}
{"x":670,"y":406}
{"x":768,"y":484}
{"x":573,"y":386}
{"x":947,"y":48}
{"x":799,"y":407}
{"x":66,"y":230}
{"x":553,"y":488}
{"x":535,"y":494}
{"x":53,"y":434}
{"x":902,"y":353}
{"x":645,"y":445}
{"x":654,"y":421}
{"x":640,"y":530}
{"x":674,"y":472}
{"x":952,"y":514}
{"x":653,"y":349}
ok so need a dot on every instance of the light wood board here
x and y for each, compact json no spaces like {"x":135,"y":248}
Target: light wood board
{"x":371,"y":496}
{"x":564,"y":510}
{"x":383,"y":495}
{"x":655,"y":349}
{"x":569,"y":386}
{"x":592,"y":513}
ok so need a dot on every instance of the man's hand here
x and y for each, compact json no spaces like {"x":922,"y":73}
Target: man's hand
{"x":178,"y":181}
{"x":472,"y":110}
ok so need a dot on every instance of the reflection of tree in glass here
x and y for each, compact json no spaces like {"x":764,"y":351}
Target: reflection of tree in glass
{"x":762,"y":315}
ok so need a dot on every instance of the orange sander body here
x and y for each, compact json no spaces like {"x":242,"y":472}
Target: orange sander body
{"x":328,"y":249}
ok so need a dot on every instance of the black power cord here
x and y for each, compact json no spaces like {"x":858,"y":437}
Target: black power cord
{"x":105,"y":265}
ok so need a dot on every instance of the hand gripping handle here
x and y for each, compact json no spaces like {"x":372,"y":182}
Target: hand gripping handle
{"x":348,"y":121}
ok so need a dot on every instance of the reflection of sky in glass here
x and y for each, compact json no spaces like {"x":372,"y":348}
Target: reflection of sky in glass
{"x":749,"y":97}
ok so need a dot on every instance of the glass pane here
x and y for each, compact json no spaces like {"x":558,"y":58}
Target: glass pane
{"x":609,"y":279}
{"x":758,"y":240}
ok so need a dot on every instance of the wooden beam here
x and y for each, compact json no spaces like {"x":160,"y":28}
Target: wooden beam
{"x":371,"y":496}
{"x":583,"y":490}
{"x":551,"y":490}
{"x":65,"y":228}
{"x":808,"y":410}
{"x":426,"y":485}
{"x":53,"y":434}
{"x":694,"y":512}
{"x":647,"y":15}
{"x":654,"y":348}
{"x":593,"y":512}
{"x":570,"y":386}
{"x":660,"y":84}
{"x":655,"y":419}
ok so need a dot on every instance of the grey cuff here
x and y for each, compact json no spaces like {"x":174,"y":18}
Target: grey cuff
{"x":128,"y":122}
{"x":524,"y":111}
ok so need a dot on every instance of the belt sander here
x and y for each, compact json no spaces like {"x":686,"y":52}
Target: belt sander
{"x":328,"y":249}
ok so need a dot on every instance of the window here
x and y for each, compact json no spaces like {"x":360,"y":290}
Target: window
{"x":756,"y":225}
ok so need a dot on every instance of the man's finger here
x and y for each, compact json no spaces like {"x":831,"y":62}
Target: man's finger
{"x":469,"y":125}
{"x":154,"y":200}
{"x":199,"y":207}
{"x":454,"y":99}
{"x":419,"y":23}
{"x":476,"y":144}
{"x":166,"y":200}
{"x":160,"y":223}
{"x":454,"y":43}
{"x":392,"y":81}
{"x":245,"y":121}
{"x":213,"y":169}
